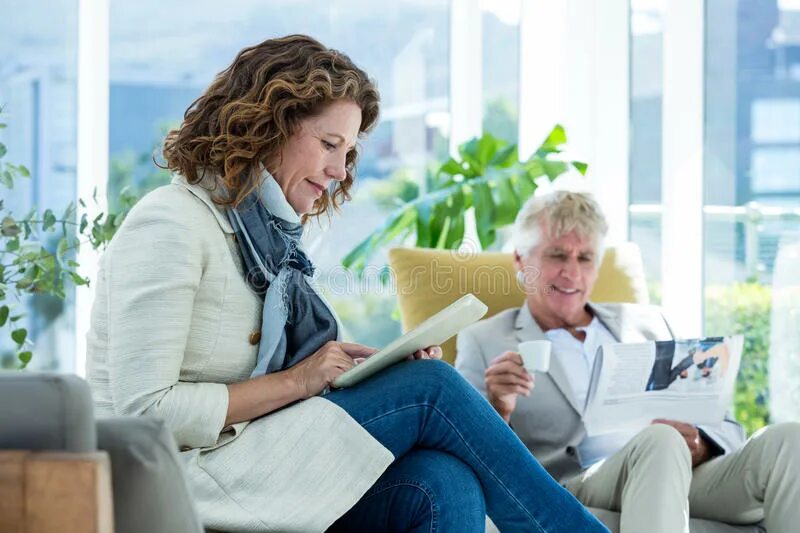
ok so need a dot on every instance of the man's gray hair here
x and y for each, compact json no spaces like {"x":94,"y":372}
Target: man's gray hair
{"x":560,"y":212}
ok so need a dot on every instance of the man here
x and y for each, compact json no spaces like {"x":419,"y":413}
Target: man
{"x":653,"y":477}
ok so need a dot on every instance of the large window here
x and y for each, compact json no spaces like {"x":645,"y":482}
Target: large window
{"x":38,"y":81}
{"x":646,"y":68}
{"x":750,"y":119}
{"x":752,"y":182}
{"x":162,"y":57}
{"x":500,"y":67}
{"x":434,"y":78}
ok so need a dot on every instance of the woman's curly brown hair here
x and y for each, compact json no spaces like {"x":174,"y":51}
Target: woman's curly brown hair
{"x":252,"y":108}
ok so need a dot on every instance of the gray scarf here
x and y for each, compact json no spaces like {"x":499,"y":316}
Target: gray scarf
{"x":295,"y":321}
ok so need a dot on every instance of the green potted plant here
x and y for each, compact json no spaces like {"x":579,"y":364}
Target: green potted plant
{"x":486,"y":177}
{"x":38,"y":250}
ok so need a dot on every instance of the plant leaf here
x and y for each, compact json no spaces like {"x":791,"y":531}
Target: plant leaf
{"x":440,"y":223}
{"x":48,"y":220}
{"x":400,"y":221}
{"x":357,"y":257}
{"x":484,"y":214}
{"x":4,"y":310}
{"x":7,"y":179}
{"x":455,"y":217}
{"x":441,"y":235}
{"x":470,"y":153}
{"x":554,"y":169}
{"x":424,"y":214}
{"x":487,"y":147}
{"x":78,"y":279}
{"x":455,"y":234}
{"x":407,"y":219}
{"x":506,"y":157}
{"x":507,"y":203}
{"x":552,"y":143}
{"x":451,"y":167}
{"x":19,"y":336}
{"x":9,"y":227}
{"x":25,"y":358}
{"x":526,"y":186}
{"x":61,"y":249}
{"x":534,"y":168}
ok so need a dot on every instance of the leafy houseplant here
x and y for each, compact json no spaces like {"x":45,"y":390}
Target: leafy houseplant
{"x":486,"y":177}
{"x":37,"y":251}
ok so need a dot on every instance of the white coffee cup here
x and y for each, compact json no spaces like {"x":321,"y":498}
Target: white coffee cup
{"x":535,"y":355}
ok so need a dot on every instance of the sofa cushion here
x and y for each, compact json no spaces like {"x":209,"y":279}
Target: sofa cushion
{"x":149,"y":485}
{"x":43,"y":411}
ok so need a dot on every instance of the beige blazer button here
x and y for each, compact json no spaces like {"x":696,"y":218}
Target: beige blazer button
{"x":255,"y":337}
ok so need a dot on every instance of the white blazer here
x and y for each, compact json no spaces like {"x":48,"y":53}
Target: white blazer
{"x":173,"y":322}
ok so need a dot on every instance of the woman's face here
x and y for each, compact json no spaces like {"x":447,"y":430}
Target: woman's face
{"x":559,"y":276}
{"x":315,"y":154}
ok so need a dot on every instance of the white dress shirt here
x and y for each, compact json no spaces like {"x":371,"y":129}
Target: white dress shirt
{"x":577,"y":359}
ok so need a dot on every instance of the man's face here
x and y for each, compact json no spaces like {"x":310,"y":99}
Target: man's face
{"x":559,"y":275}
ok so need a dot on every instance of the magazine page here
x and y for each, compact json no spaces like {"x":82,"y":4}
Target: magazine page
{"x":687,"y":380}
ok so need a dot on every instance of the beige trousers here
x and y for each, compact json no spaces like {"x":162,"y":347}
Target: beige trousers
{"x":652,"y":484}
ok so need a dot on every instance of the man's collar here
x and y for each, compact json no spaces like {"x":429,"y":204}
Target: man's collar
{"x":527,"y":327}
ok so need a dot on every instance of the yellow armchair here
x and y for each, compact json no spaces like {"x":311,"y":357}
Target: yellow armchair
{"x":428,"y":280}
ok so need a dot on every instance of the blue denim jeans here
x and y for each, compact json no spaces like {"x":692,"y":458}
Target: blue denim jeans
{"x":455,"y":460}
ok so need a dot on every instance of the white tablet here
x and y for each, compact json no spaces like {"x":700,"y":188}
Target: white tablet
{"x":432,"y":332}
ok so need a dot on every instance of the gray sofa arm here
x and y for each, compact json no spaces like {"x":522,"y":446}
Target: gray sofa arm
{"x":40,"y":411}
{"x":149,"y":486}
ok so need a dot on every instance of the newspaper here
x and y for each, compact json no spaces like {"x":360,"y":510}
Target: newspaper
{"x":687,"y":380}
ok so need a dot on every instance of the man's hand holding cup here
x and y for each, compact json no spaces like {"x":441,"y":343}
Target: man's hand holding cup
{"x":511,"y":374}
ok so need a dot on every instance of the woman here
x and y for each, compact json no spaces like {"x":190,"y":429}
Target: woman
{"x":206,"y":318}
